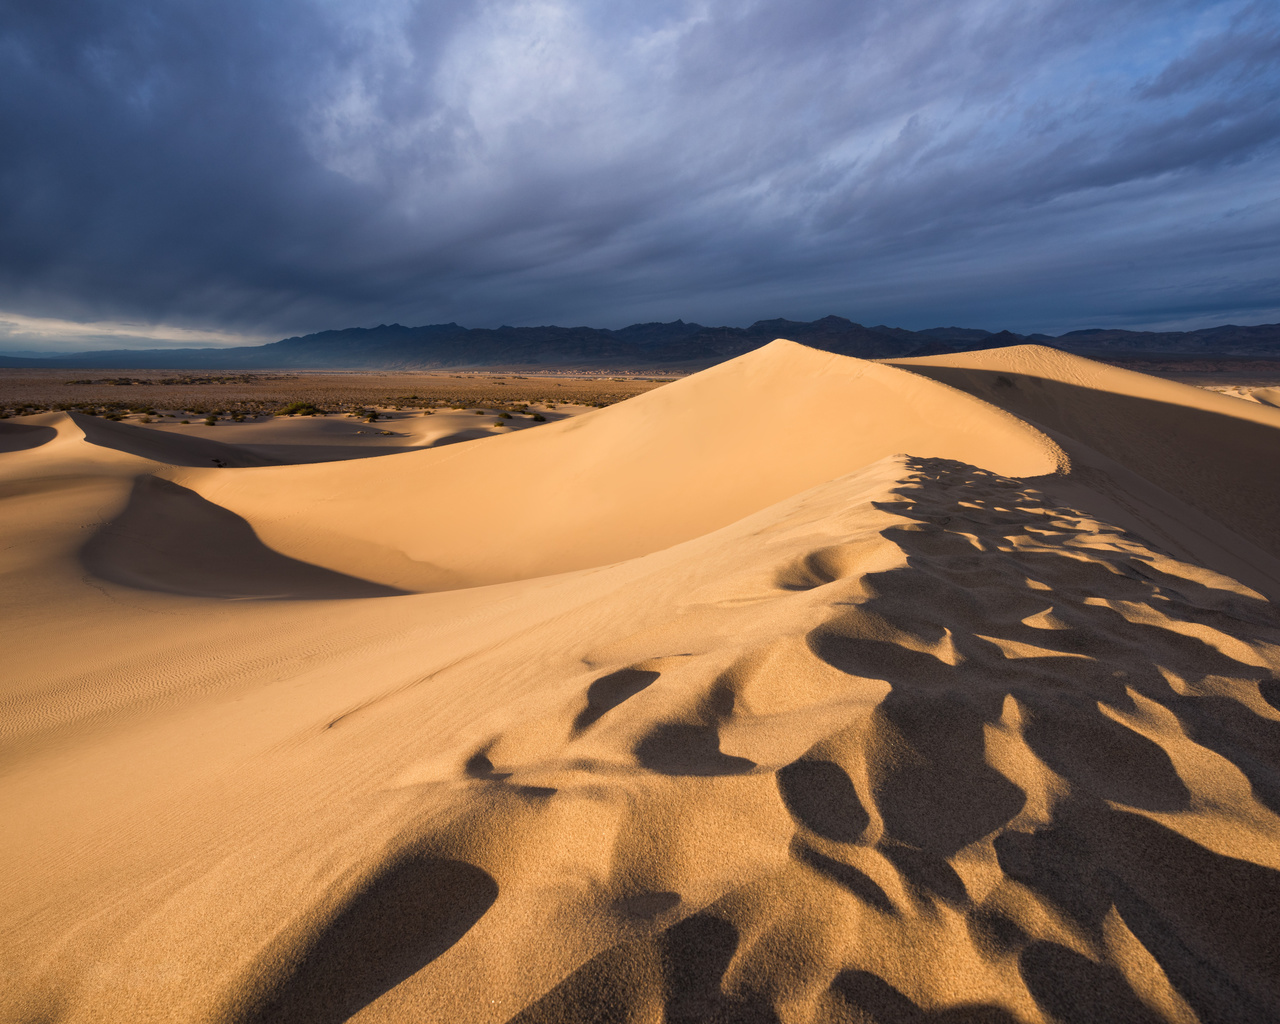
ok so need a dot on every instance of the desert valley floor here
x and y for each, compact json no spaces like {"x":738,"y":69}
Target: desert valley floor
{"x":801,"y":689}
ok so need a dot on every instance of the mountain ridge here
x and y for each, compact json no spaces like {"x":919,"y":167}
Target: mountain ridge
{"x":673,"y":345}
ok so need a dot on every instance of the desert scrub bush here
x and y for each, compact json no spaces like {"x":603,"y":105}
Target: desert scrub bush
{"x":538,"y":418}
{"x":210,"y":421}
{"x":504,"y":415}
{"x":299,"y":409}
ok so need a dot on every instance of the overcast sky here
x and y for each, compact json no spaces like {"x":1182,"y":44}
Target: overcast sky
{"x":186,"y":172}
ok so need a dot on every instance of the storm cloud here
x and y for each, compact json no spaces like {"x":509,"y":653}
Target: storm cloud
{"x":279,"y":166}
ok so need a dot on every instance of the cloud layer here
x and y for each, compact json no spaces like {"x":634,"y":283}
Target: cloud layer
{"x":279,"y":166}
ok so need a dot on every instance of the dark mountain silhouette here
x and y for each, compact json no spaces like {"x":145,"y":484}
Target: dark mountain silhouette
{"x":651,"y":346}
{"x":1229,"y":339}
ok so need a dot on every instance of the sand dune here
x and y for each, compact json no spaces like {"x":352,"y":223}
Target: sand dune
{"x":332,"y":438}
{"x":1269,"y":397}
{"x":1266,"y":396}
{"x":1209,"y":450}
{"x":805,"y":689}
{"x":169,"y":538}
{"x":620,"y":482}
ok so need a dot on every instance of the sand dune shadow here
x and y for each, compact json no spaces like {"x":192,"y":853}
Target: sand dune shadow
{"x":391,"y":930}
{"x":680,"y":748}
{"x":820,"y":795}
{"x":607,"y":692}
{"x":170,"y":539}
{"x":868,"y":997}
{"x":18,"y":437}
{"x":676,"y":976}
{"x":469,"y":434}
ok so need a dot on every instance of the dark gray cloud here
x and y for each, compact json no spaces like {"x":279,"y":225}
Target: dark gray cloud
{"x":277,"y":166}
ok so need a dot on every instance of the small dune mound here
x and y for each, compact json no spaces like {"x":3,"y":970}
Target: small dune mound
{"x":170,"y":449}
{"x":1266,"y":396}
{"x":17,"y":437}
{"x":170,"y":539}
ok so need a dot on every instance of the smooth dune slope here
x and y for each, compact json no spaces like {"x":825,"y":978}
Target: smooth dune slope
{"x":928,"y":738}
{"x":1266,"y":396}
{"x":1212,"y":451}
{"x":636,"y":477}
{"x":166,"y":448}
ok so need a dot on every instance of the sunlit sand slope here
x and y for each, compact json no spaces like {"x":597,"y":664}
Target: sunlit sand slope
{"x":633,"y":478}
{"x":919,"y":740}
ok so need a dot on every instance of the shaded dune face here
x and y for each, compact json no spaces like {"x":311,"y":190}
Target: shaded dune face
{"x":1049,"y":812}
{"x":1213,"y":452}
{"x":170,"y":539}
{"x":168,"y":449}
{"x":18,"y":437}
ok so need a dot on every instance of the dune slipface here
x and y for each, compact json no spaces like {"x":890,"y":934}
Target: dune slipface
{"x":805,"y":689}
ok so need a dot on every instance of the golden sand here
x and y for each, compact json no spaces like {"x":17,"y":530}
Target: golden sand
{"x":802,"y":689}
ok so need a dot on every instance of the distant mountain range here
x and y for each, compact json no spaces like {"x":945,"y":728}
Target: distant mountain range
{"x":654,"y":346}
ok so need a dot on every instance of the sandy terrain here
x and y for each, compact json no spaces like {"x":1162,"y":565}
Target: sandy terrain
{"x":1206,"y":371}
{"x":26,"y":391}
{"x":802,"y":689}
{"x":286,"y":440}
{"x":1263,"y":396}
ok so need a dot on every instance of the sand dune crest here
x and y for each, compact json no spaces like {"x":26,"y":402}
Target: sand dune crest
{"x":1213,"y":452}
{"x":658,"y":469}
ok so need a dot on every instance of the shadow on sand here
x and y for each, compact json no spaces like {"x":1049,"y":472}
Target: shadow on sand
{"x":170,"y":539}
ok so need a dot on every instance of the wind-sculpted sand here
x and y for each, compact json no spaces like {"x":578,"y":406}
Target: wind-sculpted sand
{"x":801,"y":690}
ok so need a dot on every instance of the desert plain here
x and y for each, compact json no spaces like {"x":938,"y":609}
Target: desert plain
{"x":801,"y":689}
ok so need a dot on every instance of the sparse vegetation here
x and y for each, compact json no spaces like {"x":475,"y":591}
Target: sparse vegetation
{"x":300,"y":409}
{"x":253,"y":395}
